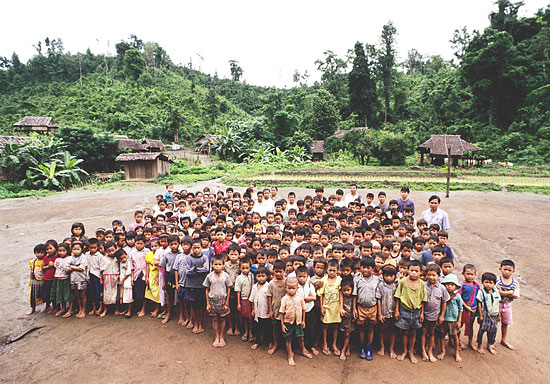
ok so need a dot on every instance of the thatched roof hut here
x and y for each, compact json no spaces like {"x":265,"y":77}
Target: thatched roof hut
{"x":19,"y":140}
{"x":144,"y":166}
{"x":153,"y":145}
{"x":437,"y":147}
{"x":204,"y":143}
{"x":317,"y":150}
{"x":132,"y":145}
{"x":40,"y":124}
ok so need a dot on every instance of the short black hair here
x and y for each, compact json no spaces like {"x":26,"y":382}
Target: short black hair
{"x":279,"y":264}
{"x":333,"y":263}
{"x":367,"y":262}
{"x":434,"y":268}
{"x":414,"y":263}
{"x":301,"y":269}
{"x":489,"y":276}
{"x":509,"y":263}
{"x":446,"y":259}
{"x":39,"y":248}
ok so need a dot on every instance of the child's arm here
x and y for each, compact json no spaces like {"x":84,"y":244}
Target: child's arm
{"x":147,"y":276}
{"x":205,"y":267}
{"x":270,"y":306}
{"x":441,"y":317}
{"x":226,"y":305}
{"x":354,"y":307}
{"x":177,"y":277}
{"x":396,"y":314}
{"x":479,"y":313}
{"x":239,"y":300}
{"x":282,"y":312}
{"x":207,"y":300}
{"x":342,"y":311}
{"x":459,"y":320}
{"x":381,"y":318}
{"x":422,"y":312}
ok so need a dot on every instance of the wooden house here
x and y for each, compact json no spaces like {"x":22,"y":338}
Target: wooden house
{"x":145,"y":165}
{"x":205,"y":143}
{"x":437,"y":147}
{"x":132,"y":145}
{"x":153,"y":145}
{"x":317,"y":150}
{"x":40,"y":124}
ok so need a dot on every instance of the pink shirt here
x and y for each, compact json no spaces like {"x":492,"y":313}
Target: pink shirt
{"x":293,"y":308}
{"x":136,"y":261}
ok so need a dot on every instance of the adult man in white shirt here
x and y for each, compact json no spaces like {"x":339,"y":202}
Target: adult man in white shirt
{"x":261,"y":206}
{"x":435,"y":215}
{"x":353,"y":195}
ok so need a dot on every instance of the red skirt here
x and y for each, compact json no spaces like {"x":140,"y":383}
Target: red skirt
{"x":246,"y":309}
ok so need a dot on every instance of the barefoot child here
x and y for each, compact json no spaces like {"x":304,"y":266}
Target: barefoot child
{"x":260,"y":308}
{"x":409,"y":308}
{"x":385,"y":292}
{"x":293,"y":314}
{"x":152,"y":290}
{"x":233,"y":269}
{"x":453,"y":316}
{"x":37,"y":277}
{"x":346,"y":326}
{"x":307,"y":290}
{"x":275,"y":292}
{"x":95,"y":289}
{"x":508,"y":288}
{"x":77,"y":266}
{"x":329,"y":294}
{"x":61,"y":294}
{"x":138,"y":267}
{"x":125,"y":286}
{"x":167,"y":266}
{"x":366,"y":311}
{"x":488,"y":312}
{"x":218,"y":284}
{"x":196,"y":268}
{"x":243,"y":286}
{"x":468,"y":291}
{"x":434,"y":311}
{"x":49,"y":273}
{"x":110,"y":272}
{"x":179,"y":277}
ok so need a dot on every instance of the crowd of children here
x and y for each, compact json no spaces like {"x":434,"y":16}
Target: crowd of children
{"x":322,"y":273}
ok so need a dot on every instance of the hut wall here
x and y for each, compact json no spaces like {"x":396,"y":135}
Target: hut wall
{"x":140,"y":170}
{"x":162,"y":167}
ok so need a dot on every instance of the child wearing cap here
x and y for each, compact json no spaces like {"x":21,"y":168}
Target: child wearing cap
{"x":453,"y":316}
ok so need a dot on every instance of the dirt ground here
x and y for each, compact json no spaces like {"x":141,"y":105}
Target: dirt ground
{"x":486,"y":227}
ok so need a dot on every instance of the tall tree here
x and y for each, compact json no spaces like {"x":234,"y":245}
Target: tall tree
{"x":362,"y":87}
{"x":236,"y":70}
{"x":386,"y":61}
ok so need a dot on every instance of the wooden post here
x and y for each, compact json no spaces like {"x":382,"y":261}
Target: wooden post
{"x":448,"y":170}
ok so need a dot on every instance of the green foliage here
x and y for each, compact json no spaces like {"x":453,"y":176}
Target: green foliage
{"x":362,"y":87}
{"x":322,"y":118}
{"x":277,"y":157}
{"x":392,"y":148}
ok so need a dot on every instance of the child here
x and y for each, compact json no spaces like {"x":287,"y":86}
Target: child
{"x":196,"y":268}
{"x":95,"y":289}
{"x":167,"y":266}
{"x":37,"y":277}
{"x":385,"y":291}
{"x":347,"y":314}
{"x":468,"y":291}
{"x":508,"y":288}
{"x":453,"y":316}
{"x":138,"y":268}
{"x":409,"y":308}
{"x":329,"y":294}
{"x":447,"y":266}
{"x":78,"y":233}
{"x":488,"y":312}
{"x":61,"y":294}
{"x":365,"y":305}
{"x":49,"y":273}
{"x":293,"y":314}
{"x":232,"y":268}
{"x":77,"y":266}
{"x":152,"y":290}
{"x":307,"y":290}
{"x":434,"y":311}
{"x":260,"y":309}
{"x":275,"y":292}
{"x":110,"y":273}
{"x":125,"y":284}
{"x":243,"y":286}
{"x":217,"y":285}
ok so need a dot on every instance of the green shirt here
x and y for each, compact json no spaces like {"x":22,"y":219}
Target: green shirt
{"x":491,"y":302}
{"x":410,"y":298}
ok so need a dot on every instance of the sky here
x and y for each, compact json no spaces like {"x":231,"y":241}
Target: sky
{"x":270,"y":39}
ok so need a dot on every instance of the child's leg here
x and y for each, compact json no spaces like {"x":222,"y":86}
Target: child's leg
{"x":412,"y":340}
{"x":82,"y":303}
{"x":192,"y":317}
{"x":480,"y":341}
{"x":471,"y":333}
{"x":181,"y":320}
{"x":257,"y":329}
{"x":345,"y":346}
{"x":221,"y":325}
{"x":504,"y":335}
{"x":431,"y":343}
{"x":215,"y":324}
{"x":458,"y":358}
{"x":69,"y":312}
{"x":423,"y":342}
{"x":104,"y":312}
{"x":392,"y":331}
{"x":275,"y":342}
{"x":441,"y":340}
{"x":370,"y":337}
{"x":289,"y":352}
{"x":141,"y":312}
{"x":491,"y":338}
{"x":303,"y":348}
{"x":169,"y":304}
{"x":405,"y":340}
{"x":334,"y":329}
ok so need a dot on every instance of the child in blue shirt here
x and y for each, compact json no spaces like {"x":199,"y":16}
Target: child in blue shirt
{"x":453,"y":316}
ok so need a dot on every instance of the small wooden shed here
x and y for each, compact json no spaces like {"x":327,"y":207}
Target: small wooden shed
{"x":437,"y":148}
{"x":145,"y":165}
{"x":317,"y":150}
{"x":40,"y":124}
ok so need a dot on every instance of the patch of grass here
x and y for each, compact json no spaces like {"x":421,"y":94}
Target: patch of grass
{"x":10,"y":191}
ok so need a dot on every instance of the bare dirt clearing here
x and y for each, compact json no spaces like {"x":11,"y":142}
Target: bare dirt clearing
{"x":486,"y":227}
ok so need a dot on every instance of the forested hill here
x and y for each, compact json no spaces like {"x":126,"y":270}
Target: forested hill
{"x":495,"y":93}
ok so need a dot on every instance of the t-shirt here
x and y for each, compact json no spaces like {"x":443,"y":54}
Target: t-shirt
{"x":217,"y":285}
{"x":243,"y":284}
{"x":137,"y":263}
{"x":179,"y":265}
{"x":60,"y":272}
{"x":365,"y":290}
{"x":410,"y":298}
{"x":468,"y":292}
{"x":168,"y":260}
{"x":276,"y":293}
{"x":94,"y":263}
{"x":306,"y":290}
{"x":513,"y":286}
{"x":258,"y":296}
{"x":233,"y":270}
{"x":385,"y":293}
{"x":196,"y":269}
{"x":36,"y":268}
{"x":454,"y":307}
{"x":50,"y":272}
{"x":292,"y":308}
{"x":490,"y":301}
{"x":436,"y":295}
{"x":402,"y":204}
{"x":80,"y":262}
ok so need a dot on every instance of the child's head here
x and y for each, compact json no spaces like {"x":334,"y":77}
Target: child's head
{"x":279,"y":270}
{"x":319,"y":266}
{"x":63,"y":250}
{"x":77,"y":230}
{"x":507,"y":268}
{"x":451,"y":283}
{"x":432,"y":273}
{"x":379,"y":261}
{"x":51,"y":247}
{"x":291,"y":286}
{"x":76,"y":248}
{"x":347,"y":286}
{"x":40,"y":251}
{"x":346,"y":267}
{"x":261,"y":274}
{"x":415,"y":268}
{"x":437,"y":253}
{"x":367,"y":266}
{"x":488,"y":279}
{"x":447,"y":265}
{"x":93,"y":245}
{"x":403,"y":267}
{"x":301,"y":274}
{"x":217,"y":262}
{"x":332,"y":268}
{"x":173,"y":243}
{"x":196,"y":247}
{"x":469,"y":273}
{"x":389,"y":273}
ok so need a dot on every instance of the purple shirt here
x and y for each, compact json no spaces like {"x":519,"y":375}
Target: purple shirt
{"x":402,"y":204}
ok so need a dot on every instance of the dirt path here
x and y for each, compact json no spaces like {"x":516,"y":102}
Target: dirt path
{"x":486,"y":227}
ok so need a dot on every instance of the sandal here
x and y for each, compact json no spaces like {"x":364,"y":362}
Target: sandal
{"x":252,"y":339}
{"x":326,"y":351}
{"x":244,"y":339}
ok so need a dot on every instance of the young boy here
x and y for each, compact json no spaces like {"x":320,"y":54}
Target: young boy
{"x":469,"y":289}
{"x":196,"y":268}
{"x":260,"y":308}
{"x":488,"y":312}
{"x":218,"y":284}
{"x":385,"y":291}
{"x":307,"y":290}
{"x":453,"y":316}
{"x":243,"y":286}
{"x":365,"y":305}
{"x":167,"y":266}
{"x":347,"y":326}
{"x":409,"y":308}
{"x":232,"y":268}
{"x":508,"y":288}
{"x":275,"y":292}
{"x":434,"y":311}
{"x":293,"y":315}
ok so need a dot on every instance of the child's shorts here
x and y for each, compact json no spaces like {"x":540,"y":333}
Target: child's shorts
{"x":195,"y":294}
{"x":366,"y":314}
{"x":216,"y":308}
{"x":506,"y":313}
{"x":181,"y":293}
{"x":450,"y":327}
{"x":293,"y":330}
{"x":387,"y":324}
{"x":79,"y":285}
{"x":408,"y":319}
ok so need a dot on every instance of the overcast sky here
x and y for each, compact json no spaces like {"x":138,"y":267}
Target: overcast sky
{"x":270,"y":39}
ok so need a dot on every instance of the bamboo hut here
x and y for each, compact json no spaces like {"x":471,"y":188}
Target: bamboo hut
{"x":145,"y":165}
{"x":437,"y":147}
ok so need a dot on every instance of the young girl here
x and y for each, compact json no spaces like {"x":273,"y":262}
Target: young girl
{"x":61,"y":294}
{"x":468,"y":291}
{"x":346,"y":325}
{"x":37,"y":277}
{"x":78,"y":233}
{"x":49,"y":273}
{"x":329,"y":294}
{"x":110,"y":272}
{"x":152,"y":292}
{"x":125,"y":284}
{"x":77,"y":266}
